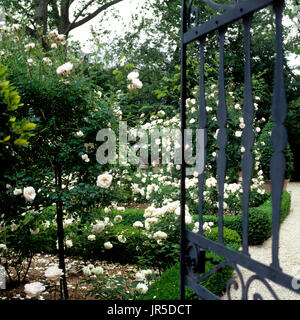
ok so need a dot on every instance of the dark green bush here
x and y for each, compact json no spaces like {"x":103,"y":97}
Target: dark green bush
{"x":260,"y":220}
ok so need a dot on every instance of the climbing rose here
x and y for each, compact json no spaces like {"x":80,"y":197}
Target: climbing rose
{"x":33,"y":289}
{"x":138,"y":224}
{"x":104,"y":180}
{"x":108,"y":245}
{"x":142,"y":288}
{"x":65,"y":69}
{"x":29,"y":46}
{"x":17,"y":192}
{"x":133,"y":75}
{"x":53,"y":273}
{"x":92,"y":237}
{"x":29,"y":193}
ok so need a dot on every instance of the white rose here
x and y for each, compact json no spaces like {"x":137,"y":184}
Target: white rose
{"x":159,"y":235}
{"x":86,"y":271}
{"x":53,"y":273}
{"x":98,"y":227}
{"x":108,"y":245}
{"x":97,"y":270}
{"x":3,"y":246}
{"x":140,"y":276}
{"x":29,"y":193}
{"x":121,"y":238}
{"x":17,"y":192}
{"x":142,"y":288}
{"x":33,"y":289}
{"x":133,"y":75}
{"x":36,"y":231}
{"x":29,"y":46}
{"x":104,"y":180}
{"x":69,"y":243}
{"x":118,"y":219}
{"x":14,"y":227}
{"x":138,"y":224}
{"x":92,"y":237}
{"x":53,"y":46}
{"x":85,"y":157}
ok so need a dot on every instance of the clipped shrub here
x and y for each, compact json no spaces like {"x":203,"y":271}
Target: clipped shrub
{"x":260,"y":220}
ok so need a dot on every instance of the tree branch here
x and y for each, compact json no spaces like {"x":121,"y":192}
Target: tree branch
{"x":75,"y":24}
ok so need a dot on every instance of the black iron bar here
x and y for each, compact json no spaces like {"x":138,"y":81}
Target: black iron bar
{"x":183,"y":164}
{"x":237,"y":12}
{"x":248,"y":133}
{"x":222,"y":135}
{"x":279,"y":134}
{"x":202,"y":120}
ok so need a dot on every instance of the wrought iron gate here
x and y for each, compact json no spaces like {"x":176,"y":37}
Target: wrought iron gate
{"x":194,"y":245}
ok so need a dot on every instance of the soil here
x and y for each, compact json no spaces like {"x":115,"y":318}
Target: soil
{"x":77,"y":290}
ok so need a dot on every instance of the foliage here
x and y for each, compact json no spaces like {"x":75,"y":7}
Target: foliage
{"x":109,"y":288}
{"x":260,"y":220}
{"x":265,"y":150}
{"x":167,"y":286}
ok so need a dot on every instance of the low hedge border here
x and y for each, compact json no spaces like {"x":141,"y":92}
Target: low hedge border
{"x":260,"y":220}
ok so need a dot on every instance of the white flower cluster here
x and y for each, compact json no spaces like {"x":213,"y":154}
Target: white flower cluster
{"x":143,"y":278}
{"x":53,"y":273}
{"x":135,"y":82}
{"x":28,"y":193}
{"x":92,"y":270}
{"x":104,"y":180}
{"x":65,"y":69}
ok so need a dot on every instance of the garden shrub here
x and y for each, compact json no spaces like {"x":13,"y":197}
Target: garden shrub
{"x":260,"y":220}
{"x":167,"y":286}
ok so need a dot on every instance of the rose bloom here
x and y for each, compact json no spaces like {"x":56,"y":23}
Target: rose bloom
{"x":142,"y":288}
{"x":86,"y":271}
{"x":29,"y":46}
{"x":33,"y":289}
{"x":98,"y":227}
{"x":138,"y":224}
{"x":69,"y":243}
{"x":17,"y":192}
{"x":133,"y":75}
{"x":121,"y":238}
{"x":53,"y":46}
{"x":29,"y":193}
{"x":65,"y":69}
{"x":92,"y":237}
{"x":160,"y":235}
{"x":36,"y":231}
{"x":108,"y":245}
{"x":61,"y":37}
{"x":104,"y":180}
{"x":85,"y":157}
{"x":79,"y":133}
{"x":53,"y":273}
{"x":14,"y":227}
{"x":118,"y":219}
{"x":97,"y":270}
{"x":47,"y":61}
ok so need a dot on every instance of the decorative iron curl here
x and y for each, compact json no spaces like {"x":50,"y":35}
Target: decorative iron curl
{"x":257,"y":296}
{"x":234,"y":283}
{"x":192,"y":11}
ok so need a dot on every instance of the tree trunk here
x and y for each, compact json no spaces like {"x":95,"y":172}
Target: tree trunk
{"x":60,"y":235}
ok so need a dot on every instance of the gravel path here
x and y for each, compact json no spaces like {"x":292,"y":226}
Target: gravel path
{"x":289,"y":253}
